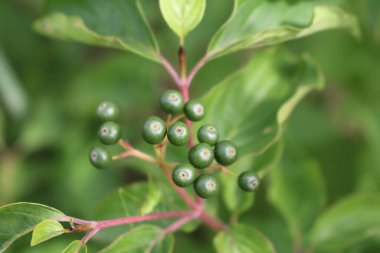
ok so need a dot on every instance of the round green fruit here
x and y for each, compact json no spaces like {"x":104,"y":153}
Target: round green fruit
{"x":201,"y":155}
{"x":194,"y":110}
{"x":206,"y":186}
{"x":248,"y":181}
{"x":179,"y":134}
{"x":109,"y":133}
{"x":225,"y":152}
{"x":107,"y":111}
{"x":99,"y":157}
{"x":171,"y":101}
{"x":183,"y":175}
{"x":208,"y":134}
{"x":154,"y":130}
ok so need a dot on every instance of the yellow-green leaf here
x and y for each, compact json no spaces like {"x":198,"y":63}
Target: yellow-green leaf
{"x":182,"y":16}
{"x":46,"y":230}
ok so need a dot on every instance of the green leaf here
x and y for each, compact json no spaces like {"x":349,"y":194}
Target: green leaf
{"x":347,"y":223}
{"x":116,"y":24}
{"x":19,"y":219}
{"x":145,"y":238}
{"x":182,"y":16}
{"x":242,"y":239}
{"x":45,"y":231}
{"x":260,"y":23}
{"x":297,"y":190}
{"x":252,"y":106}
{"x":74,"y":246}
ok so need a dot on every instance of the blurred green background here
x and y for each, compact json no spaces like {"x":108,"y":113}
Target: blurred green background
{"x":49,"y":89}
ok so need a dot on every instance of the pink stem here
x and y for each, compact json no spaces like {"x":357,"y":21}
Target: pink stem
{"x":197,"y":67}
{"x":184,"y":195}
{"x":135,"y":219}
{"x":177,"y":224}
{"x":75,"y":220}
{"x":88,"y":236}
{"x":211,"y":221}
{"x":173,"y":73}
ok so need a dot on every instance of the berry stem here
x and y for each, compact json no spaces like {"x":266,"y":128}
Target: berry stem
{"x":223,"y":169}
{"x":184,"y":195}
{"x":131,"y":151}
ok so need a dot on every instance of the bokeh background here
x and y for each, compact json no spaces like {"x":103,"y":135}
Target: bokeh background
{"x":49,"y":90}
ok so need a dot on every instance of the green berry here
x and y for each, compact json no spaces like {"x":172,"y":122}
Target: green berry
{"x":208,"y":134}
{"x":206,"y":186}
{"x":201,"y":155}
{"x":171,"y":101}
{"x":179,"y":134}
{"x":183,"y":175}
{"x":99,"y":157}
{"x":107,"y":111}
{"x":194,"y":110}
{"x":154,"y":130}
{"x":109,"y":133}
{"x":248,"y":181}
{"x":226,"y":152}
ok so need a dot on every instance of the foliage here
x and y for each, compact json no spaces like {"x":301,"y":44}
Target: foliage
{"x":318,"y":161}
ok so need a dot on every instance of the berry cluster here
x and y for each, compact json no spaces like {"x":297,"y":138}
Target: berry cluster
{"x":109,"y":133}
{"x":201,"y":155}
{"x":156,"y":131}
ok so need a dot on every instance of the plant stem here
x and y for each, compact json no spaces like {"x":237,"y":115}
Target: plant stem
{"x":172,"y":72}
{"x":179,"y":223}
{"x":184,"y":195}
{"x":182,"y":65}
{"x":197,"y":67}
{"x":131,"y":151}
{"x":141,"y":218}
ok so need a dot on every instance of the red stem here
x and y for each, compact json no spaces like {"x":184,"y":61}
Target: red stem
{"x":141,"y":218}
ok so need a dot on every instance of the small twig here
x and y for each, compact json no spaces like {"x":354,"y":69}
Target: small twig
{"x":184,"y":195}
{"x":88,"y":236}
{"x":197,"y":67}
{"x":223,"y":169}
{"x":179,"y":223}
{"x":172,"y":72}
{"x":131,"y":151}
{"x":141,"y":218}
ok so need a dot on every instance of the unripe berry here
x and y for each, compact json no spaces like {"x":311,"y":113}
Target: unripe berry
{"x":179,"y":134}
{"x":206,"y":186}
{"x":248,"y":181}
{"x":107,"y":111}
{"x":194,"y":110}
{"x":109,"y":133}
{"x":171,"y":101}
{"x":183,"y":175}
{"x":154,"y":130}
{"x":99,"y":157}
{"x":225,"y":152}
{"x":208,"y":134}
{"x":201,"y":155}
